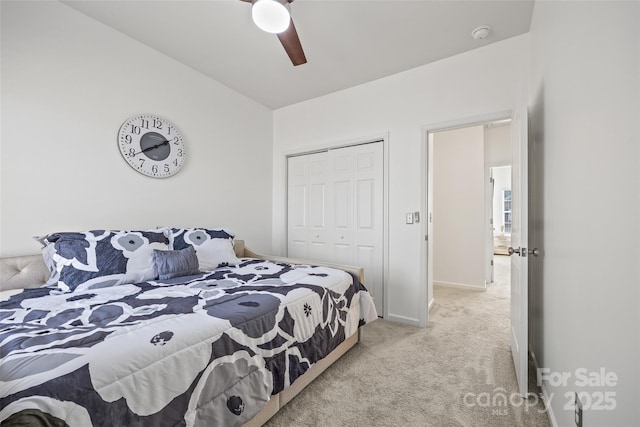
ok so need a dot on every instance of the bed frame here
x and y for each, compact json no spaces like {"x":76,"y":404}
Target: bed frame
{"x":29,"y":271}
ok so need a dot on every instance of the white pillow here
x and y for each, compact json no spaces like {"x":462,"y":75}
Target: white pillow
{"x":214,"y":247}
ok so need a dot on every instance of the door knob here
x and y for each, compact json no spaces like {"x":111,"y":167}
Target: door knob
{"x":523,"y":251}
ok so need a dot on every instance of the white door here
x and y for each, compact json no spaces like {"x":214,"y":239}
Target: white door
{"x":368,"y":213}
{"x":297,"y":194}
{"x":356,"y":204}
{"x":335,"y":210}
{"x":341,"y":206}
{"x":306,"y":206}
{"x":317,"y":206}
{"x":368,"y":222}
{"x":519,"y":247}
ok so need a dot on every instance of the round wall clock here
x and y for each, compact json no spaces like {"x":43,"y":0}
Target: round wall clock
{"x":152,"y":145}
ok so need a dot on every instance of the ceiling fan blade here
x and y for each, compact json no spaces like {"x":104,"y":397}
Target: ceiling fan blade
{"x":289,"y":39}
{"x":291,"y":43}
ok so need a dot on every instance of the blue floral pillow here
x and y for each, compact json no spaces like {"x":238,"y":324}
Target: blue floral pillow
{"x":214,"y":247}
{"x":100,"y":258}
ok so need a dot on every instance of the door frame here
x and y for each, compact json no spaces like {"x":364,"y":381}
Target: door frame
{"x":426,"y":299}
{"x":489,"y":222}
{"x":491,"y":167}
{"x":311,"y":149}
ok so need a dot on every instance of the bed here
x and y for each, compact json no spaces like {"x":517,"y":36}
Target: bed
{"x":225,"y":347}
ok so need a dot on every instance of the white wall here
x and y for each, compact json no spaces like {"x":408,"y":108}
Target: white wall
{"x":479,"y":82}
{"x":458,"y":207}
{"x":497,"y":145}
{"x":68,"y":83}
{"x":584,"y":106}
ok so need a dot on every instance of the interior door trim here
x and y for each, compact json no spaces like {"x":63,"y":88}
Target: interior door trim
{"x":425,"y":297}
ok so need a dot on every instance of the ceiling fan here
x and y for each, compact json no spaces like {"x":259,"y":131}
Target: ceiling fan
{"x":273,"y":16}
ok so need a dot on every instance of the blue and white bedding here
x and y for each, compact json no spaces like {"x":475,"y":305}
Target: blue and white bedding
{"x":208,"y":349}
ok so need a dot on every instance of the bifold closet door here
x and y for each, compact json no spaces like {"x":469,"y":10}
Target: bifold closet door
{"x":335,"y":210}
{"x":307,"y":206}
{"x":355,"y":218}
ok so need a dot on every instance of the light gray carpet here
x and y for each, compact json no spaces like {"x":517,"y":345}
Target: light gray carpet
{"x":450,"y":374}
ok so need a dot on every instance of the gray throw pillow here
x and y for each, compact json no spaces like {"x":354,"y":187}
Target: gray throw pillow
{"x":171,"y":264}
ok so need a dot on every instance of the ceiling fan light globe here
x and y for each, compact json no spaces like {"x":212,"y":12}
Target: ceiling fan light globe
{"x":270,"y":16}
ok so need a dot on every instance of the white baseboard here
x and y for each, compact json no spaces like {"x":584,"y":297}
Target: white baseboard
{"x":545,"y":392}
{"x":481,"y":288}
{"x":402,"y":319}
{"x":430,"y":305}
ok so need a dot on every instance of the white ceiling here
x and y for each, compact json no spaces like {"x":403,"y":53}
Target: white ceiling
{"x":347,"y":42}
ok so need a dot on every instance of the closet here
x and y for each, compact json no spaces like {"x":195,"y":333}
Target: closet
{"x":335,"y":210}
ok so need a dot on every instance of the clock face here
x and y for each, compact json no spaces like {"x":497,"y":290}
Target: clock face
{"x":152,"y":145}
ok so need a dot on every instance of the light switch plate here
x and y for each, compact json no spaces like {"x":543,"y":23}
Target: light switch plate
{"x":410,"y":218}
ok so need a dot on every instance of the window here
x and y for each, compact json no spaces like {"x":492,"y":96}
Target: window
{"x":506,"y":209}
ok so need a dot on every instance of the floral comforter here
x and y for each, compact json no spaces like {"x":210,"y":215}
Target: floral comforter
{"x":199,"y":350}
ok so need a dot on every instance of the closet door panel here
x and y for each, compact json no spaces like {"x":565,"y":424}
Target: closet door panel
{"x":297,"y":192}
{"x":317,"y":206}
{"x":365,"y":204}
{"x":342,"y":204}
{"x":369,"y":222}
{"x":335,"y":207}
{"x":340,"y":234}
{"x":365,"y":257}
{"x":306,"y":206}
